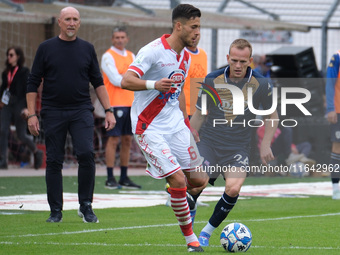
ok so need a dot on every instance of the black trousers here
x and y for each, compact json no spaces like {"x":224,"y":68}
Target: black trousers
{"x":80,"y":125}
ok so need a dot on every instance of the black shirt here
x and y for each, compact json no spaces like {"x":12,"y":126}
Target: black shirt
{"x":67,"y":68}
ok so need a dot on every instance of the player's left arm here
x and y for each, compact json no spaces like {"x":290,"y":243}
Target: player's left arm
{"x":271,"y":123}
{"x":182,"y":104}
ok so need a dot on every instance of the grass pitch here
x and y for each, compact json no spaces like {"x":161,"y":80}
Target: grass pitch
{"x":279,"y":225}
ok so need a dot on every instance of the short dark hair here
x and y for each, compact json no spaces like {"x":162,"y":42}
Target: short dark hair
{"x":186,"y":11}
{"x":119,"y":29}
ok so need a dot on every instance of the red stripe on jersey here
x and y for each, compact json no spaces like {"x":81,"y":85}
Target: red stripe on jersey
{"x":186,"y":58}
{"x":151,"y":111}
{"x":164,"y":41}
{"x":137,"y":70}
{"x":148,"y":114}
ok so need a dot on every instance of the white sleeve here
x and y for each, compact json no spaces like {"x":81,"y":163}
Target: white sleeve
{"x":108,"y":66}
{"x":143,"y":61}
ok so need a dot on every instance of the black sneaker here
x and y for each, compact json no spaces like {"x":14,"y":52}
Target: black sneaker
{"x":38,"y":159}
{"x":128,"y":184}
{"x":195,"y":247}
{"x":55,"y":217}
{"x":85,"y":211}
{"x":112,"y":184}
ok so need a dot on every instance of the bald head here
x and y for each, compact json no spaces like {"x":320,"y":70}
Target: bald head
{"x":68,"y":10}
{"x":69,"y":23}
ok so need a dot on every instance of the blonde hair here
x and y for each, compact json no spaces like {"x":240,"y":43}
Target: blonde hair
{"x":241,"y":44}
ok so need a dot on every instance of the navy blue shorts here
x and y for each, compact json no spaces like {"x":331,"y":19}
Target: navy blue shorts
{"x":218,"y":161}
{"x":123,"y":119}
{"x":335,"y":130}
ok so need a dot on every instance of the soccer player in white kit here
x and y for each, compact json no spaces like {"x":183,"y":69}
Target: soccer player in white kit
{"x":159,"y":120}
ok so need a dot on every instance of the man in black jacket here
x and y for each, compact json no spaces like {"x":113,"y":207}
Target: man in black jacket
{"x":67,"y":64}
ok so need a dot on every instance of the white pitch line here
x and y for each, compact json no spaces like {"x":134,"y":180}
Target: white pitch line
{"x":162,"y":245}
{"x":294,"y":217}
{"x":170,"y":225}
{"x":96,"y":230}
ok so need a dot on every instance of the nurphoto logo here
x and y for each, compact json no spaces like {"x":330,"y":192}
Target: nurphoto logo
{"x":239,"y":104}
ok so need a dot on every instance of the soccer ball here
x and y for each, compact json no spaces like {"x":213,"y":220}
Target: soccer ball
{"x":236,"y":237}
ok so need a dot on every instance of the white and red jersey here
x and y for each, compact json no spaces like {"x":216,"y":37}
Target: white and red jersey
{"x":153,"y":111}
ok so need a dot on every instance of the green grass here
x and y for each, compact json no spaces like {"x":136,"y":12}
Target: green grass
{"x":279,"y":225}
{"x":36,"y":185}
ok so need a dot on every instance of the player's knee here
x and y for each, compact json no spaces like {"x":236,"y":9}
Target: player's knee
{"x":113,"y":141}
{"x":233,"y":191}
{"x":202,"y":182}
{"x":176,"y":181}
{"x":54,"y":165}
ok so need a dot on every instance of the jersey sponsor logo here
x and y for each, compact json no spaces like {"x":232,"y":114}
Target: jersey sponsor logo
{"x":168,"y":64}
{"x":170,"y":96}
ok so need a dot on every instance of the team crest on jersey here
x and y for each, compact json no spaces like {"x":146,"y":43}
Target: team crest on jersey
{"x":178,"y":76}
{"x":172,"y":95}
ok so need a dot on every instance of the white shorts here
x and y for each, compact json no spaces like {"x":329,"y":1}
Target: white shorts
{"x":169,"y":153}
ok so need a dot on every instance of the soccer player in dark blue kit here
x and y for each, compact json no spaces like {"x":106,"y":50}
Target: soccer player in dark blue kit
{"x":224,"y":137}
{"x":333,"y":117}
{"x":67,"y":64}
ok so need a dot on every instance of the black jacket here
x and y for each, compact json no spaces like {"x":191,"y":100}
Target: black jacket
{"x":18,"y":87}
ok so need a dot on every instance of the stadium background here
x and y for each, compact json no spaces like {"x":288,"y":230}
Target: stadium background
{"x":269,"y":24}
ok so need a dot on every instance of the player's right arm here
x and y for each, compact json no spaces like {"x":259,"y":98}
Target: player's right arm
{"x":131,"y":81}
{"x":332,"y":74}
